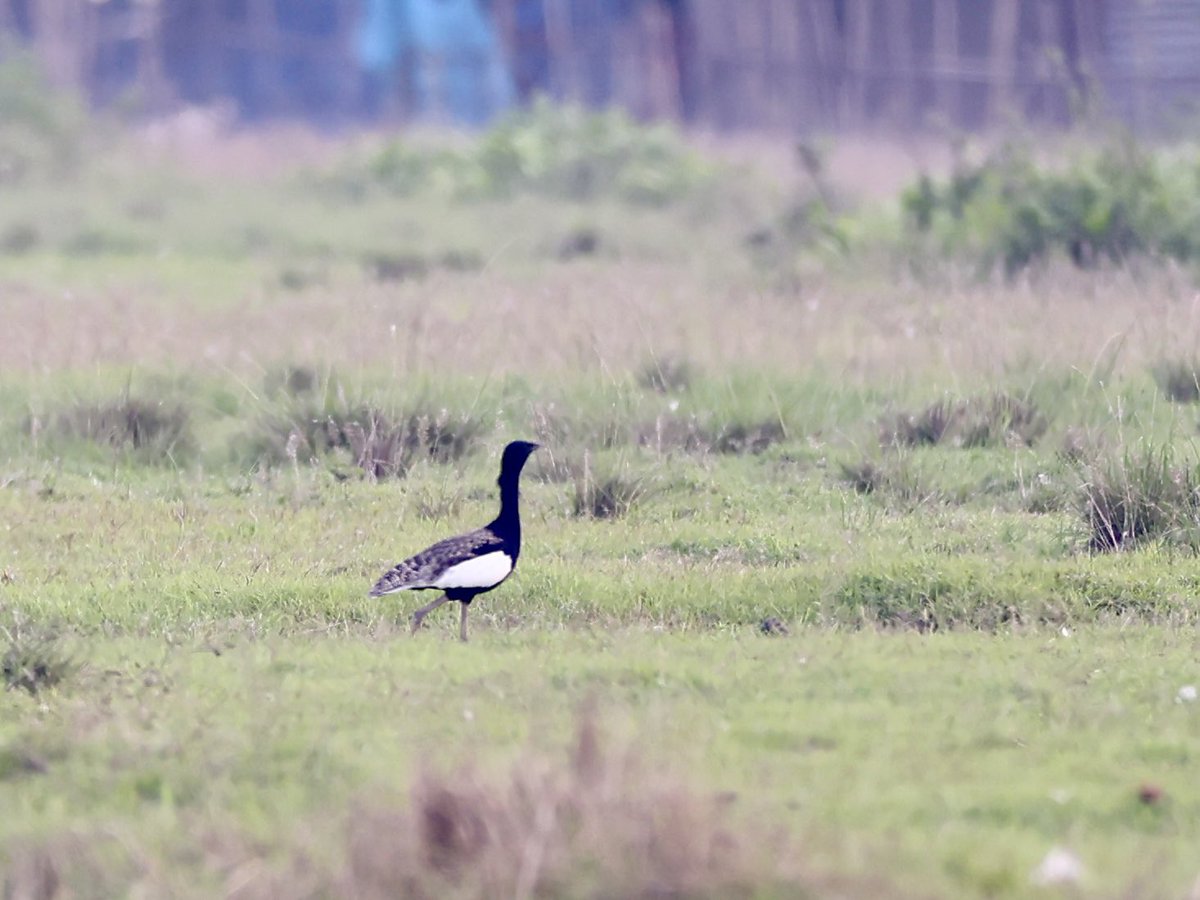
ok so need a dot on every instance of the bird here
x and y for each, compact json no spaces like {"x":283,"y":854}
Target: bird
{"x":468,"y":564}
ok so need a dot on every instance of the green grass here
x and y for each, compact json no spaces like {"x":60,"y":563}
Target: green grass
{"x":965,"y":683}
{"x":963,"y":688}
{"x":848,"y":740}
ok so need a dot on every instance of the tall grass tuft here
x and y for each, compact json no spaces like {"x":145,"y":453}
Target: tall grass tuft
{"x":35,"y":658}
{"x":318,"y":423}
{"x":598,"y":824}
{"x":1136,"y":497}
{"x":149,"y":430}
{"x":1179,"y":380}
{"x":891,"y":476}
{"x":914,"y":429}
{"x":666,"y":375}
{"x":994,"y":420}
{"x":608,"y":492}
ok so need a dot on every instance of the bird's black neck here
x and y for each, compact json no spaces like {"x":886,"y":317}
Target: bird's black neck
{"x":508,"y":524}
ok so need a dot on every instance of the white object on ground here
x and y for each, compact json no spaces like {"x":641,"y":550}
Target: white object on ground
{"x":1060,"y":866}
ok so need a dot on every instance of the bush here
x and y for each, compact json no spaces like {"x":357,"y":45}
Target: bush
{"x":567,"y":151}
{"x":41,"y":130}
{"x":1108,"y":204}
{"x":557,"y":151}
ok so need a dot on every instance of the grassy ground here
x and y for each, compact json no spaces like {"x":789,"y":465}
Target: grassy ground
{"x":227,"y":403}
{"x":944,"y":764}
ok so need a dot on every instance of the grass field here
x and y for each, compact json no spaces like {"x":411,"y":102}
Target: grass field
{"x":232,"y":393}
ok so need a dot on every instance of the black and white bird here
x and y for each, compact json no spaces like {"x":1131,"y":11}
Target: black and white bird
{"x":469,"y":564}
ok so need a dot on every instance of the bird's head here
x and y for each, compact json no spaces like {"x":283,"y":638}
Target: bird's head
{"x":515,"y":455}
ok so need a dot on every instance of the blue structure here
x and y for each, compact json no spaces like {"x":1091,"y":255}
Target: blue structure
{"x":447,"y":52}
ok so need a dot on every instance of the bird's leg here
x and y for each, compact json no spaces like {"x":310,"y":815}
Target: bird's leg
{"x":425,"y":610}
{"x":462,"y":625}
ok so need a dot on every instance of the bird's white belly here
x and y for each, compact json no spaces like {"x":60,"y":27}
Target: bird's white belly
{"x":481,"y":572}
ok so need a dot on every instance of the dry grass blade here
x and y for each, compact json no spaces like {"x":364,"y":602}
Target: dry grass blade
{"x":602,"y":825}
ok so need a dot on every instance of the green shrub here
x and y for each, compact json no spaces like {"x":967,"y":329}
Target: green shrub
{"x":567,"y":151}
{"x":552,"y":150}
{"x":41,"y":130}
{"x":1102,"y":204}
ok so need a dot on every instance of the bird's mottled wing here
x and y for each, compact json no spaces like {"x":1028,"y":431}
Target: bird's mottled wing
{"x":423,"y":569}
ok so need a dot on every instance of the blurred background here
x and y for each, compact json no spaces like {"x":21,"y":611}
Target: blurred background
{"x":795,"y":66}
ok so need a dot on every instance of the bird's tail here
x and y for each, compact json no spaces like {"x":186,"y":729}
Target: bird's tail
{"x":399,"y":578}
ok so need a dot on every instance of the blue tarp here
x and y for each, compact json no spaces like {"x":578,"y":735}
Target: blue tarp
{"x":450,"y":49}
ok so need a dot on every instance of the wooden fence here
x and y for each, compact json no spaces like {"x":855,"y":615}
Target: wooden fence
{"x":771,"y":65}
{"x":819,"y":64}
